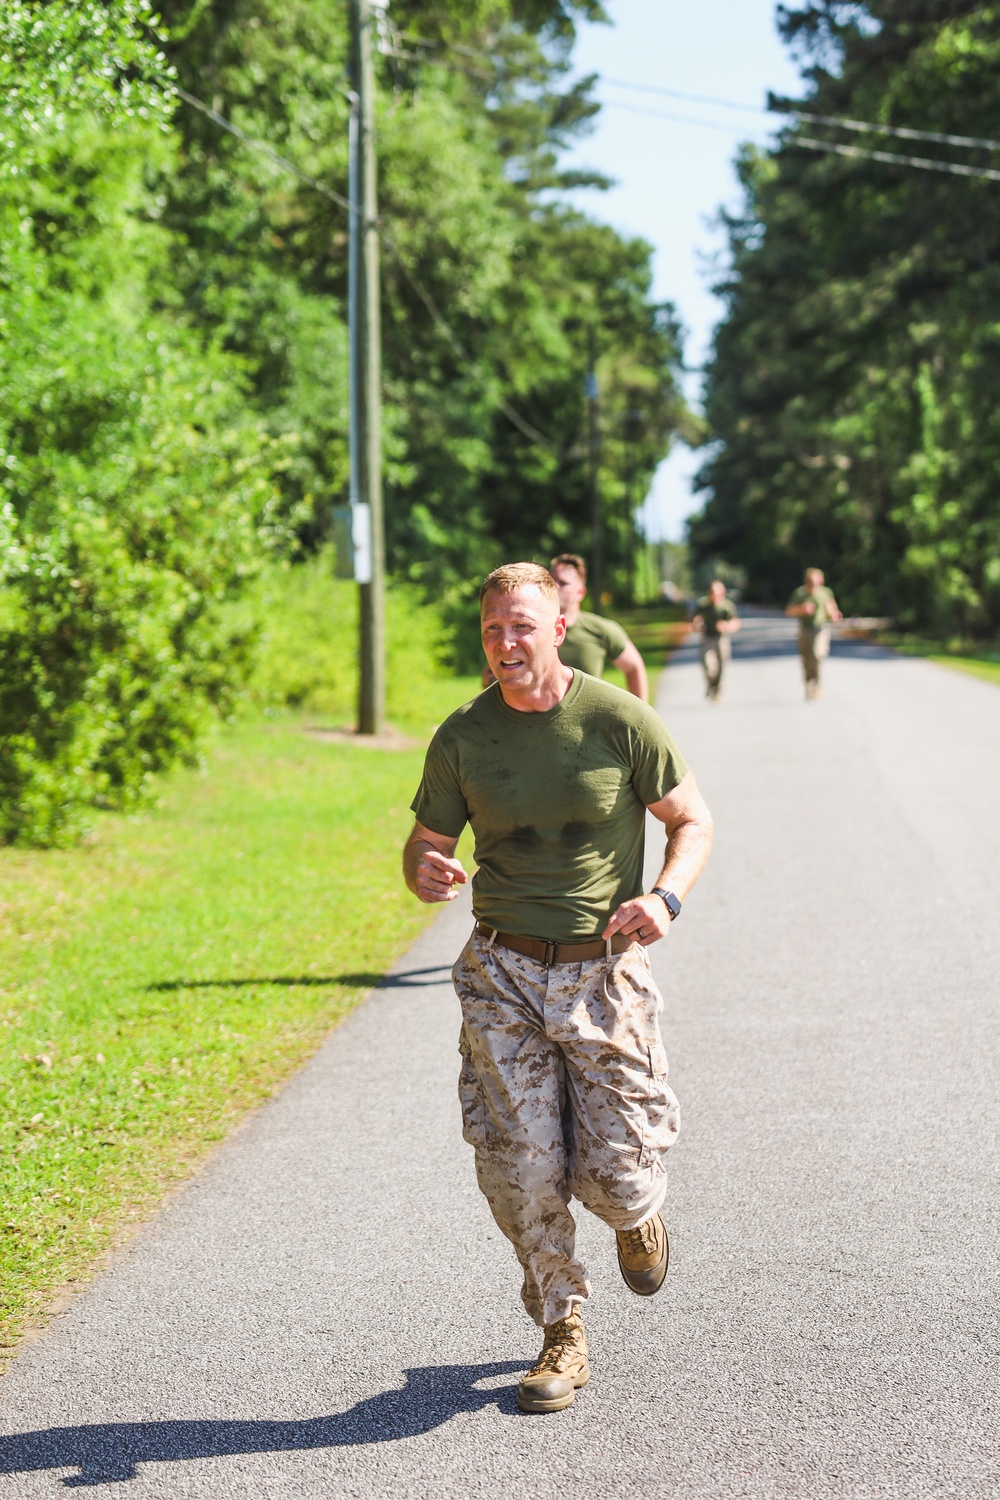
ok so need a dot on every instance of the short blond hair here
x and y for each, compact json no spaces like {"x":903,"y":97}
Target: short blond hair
{"x":816,"y":573}
{"x":519,"y":575}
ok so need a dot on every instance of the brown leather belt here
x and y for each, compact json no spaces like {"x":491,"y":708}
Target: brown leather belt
{"x":555,"y":953}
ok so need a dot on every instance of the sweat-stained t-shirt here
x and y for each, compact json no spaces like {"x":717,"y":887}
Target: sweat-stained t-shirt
{"x":557,"y":802}
{"x":590,"y":642}
{"x":711,"y":614}
{"x":822,"y":598}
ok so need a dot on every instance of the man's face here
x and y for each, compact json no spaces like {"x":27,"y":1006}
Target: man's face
{"x":717,"y":593}
{"x":571,"y":586}
{"x":522,"y":633}
{"x":814,"y":580}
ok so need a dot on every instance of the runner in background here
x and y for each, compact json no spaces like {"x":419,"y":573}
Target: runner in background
{"x":815,"y":608}
{"x":715,"y":616}
{"x":590,"y":639}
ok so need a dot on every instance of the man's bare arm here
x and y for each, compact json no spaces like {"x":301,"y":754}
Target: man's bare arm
{"x":429,"y":869}
{"x":688,"y":822}
{"x":632,"y":664}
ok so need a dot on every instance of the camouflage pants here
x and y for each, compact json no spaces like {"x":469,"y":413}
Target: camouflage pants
{"x":564,"y":1094}
{"x":715,"y":652}
{"x":814,"y":648}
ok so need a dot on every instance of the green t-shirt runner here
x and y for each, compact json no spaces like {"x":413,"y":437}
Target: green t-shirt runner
{"x":557,"y":802}
{"x":711,"y":614}
{"x":822,"y":597}
{"x":590,"y":642}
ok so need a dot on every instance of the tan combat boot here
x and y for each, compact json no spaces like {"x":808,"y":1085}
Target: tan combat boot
{"x":643,"y":1256}
{"x":560,"y":1370}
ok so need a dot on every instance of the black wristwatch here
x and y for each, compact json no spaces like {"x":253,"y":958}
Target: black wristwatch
{"x":669,"y":900}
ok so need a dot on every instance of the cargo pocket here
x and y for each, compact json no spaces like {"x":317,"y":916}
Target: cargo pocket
{"x":662,"y":1112}
{"x":470,"y":1096}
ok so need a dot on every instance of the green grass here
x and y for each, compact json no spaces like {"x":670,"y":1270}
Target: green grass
{"x":960,"y":655}
{"x":171,"y":974}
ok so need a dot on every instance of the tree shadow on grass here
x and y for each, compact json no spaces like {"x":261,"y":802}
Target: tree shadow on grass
{"x":402,"y":979}
{"x":110,"y":1452}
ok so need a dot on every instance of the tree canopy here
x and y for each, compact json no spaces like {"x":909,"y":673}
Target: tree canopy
{"x":173,"y":361}
{"x":851,"y":393}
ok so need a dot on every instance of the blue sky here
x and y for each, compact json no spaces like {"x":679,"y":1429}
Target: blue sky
{"x":672,"y":176}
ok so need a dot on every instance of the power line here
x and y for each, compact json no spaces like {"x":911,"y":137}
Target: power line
{"x":925,"y":163}
{"x":663,"y":114}
{"x":654,"y":88}
{"x":265,"y":149}
{"x":904,"y":132}
{"x":895,"y":158}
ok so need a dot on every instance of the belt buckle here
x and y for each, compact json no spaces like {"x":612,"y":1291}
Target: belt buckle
{"x":551,"y":952}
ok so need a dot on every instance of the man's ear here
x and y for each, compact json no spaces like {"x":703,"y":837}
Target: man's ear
{"x":560,"y":629}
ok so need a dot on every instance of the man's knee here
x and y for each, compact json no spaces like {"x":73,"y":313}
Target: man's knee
{"x":621,"y":1195}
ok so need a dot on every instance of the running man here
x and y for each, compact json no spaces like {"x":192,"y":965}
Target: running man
{"x":563,"y":1083}
{"x":590,"y":639}
{"x":717,"y":620}
{"x":815,"y":608}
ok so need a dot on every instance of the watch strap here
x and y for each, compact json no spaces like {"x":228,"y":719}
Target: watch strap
{"x":669,"y":900}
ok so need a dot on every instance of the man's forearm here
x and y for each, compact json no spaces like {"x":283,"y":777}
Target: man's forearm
{"x":637,"y":682}
{"x":688,"y":848}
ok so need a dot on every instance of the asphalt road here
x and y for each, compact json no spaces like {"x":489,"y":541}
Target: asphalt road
{"x":327,"y":1310}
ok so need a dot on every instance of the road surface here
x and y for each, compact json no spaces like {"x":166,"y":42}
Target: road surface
{"x":327,"y":1309}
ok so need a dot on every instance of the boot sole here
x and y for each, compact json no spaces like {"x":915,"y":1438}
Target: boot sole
{"x":649,"y":1291}
{"x":527,"y":1404}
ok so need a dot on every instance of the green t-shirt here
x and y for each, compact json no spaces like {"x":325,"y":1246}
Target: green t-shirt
{"x":590,"y":642}
{"x":822,"y":597}
{"x":711,"y":614}
{"x":557,"y":803}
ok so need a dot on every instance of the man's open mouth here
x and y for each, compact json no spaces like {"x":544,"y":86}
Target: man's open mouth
{"x":510,"y":665}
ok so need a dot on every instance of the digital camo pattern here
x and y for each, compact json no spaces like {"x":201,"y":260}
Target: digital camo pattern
{"x":814,"y":648}
{"x":564,"y":1094}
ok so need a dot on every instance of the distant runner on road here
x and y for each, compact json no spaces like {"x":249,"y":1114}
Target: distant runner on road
{"x":591,"y":640}
{"x":715,"y":616}
{"x":814,"y":606}
{"x":563,"y":1083}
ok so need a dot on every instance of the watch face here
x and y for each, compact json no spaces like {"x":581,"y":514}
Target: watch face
{"x":672,"y":904}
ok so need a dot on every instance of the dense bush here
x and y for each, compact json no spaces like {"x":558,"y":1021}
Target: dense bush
{"x":136,"y":498}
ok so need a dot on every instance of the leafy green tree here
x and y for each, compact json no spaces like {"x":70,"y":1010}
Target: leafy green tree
{"x":850,"y":395}
{"x":135,"y":496}
{"x":493,"y":292}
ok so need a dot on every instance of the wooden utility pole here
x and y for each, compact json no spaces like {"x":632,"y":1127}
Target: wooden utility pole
{"x":594,"y":459}
{"x":366,"y":369}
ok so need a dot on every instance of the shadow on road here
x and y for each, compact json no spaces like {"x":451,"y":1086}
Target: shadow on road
{"x":404,"y":979}
{"x":109,"y":1452}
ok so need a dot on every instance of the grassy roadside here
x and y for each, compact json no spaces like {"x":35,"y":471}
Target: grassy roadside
{"x":959,"y":655}
{"x":170,"y":975}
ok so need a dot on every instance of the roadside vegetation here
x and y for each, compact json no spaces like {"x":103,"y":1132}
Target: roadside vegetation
{"x":850,"y":397}
{"x":170,"y":973}
{"x":964,"y":656}
{"x":173,"y":359}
